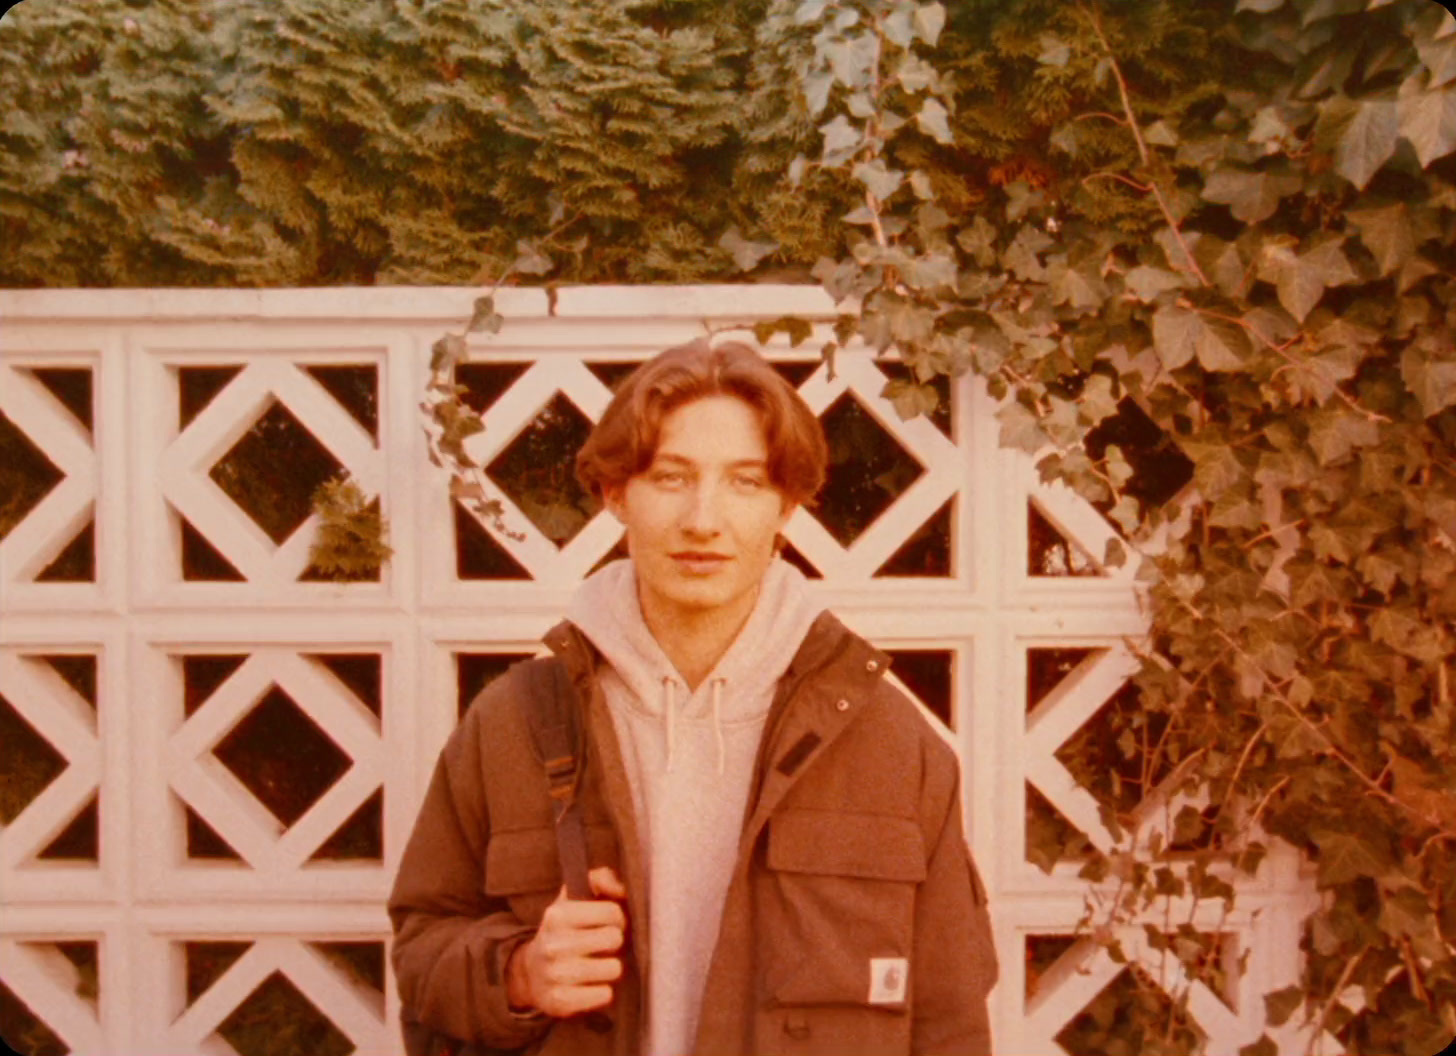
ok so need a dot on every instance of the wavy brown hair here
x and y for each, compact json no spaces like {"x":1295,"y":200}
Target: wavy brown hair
{"x":624,"y":442}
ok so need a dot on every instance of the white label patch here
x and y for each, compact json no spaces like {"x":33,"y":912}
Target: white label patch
{"x":889,"y":977}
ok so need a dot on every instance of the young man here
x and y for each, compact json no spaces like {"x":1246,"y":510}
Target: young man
{"x":775,"y":832}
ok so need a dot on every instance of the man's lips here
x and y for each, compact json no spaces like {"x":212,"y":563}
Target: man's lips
{"x":695,"y":555}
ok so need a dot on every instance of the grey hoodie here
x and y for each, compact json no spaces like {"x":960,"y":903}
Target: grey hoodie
{"x":689,"y":758}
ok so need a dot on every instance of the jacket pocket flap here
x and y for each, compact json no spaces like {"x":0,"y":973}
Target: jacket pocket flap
{"x":525,"y":860}
{"x":872,"y":846}
{"x":521,"y":861}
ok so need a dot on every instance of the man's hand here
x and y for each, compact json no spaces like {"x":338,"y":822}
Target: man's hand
{"x":569,"y":965}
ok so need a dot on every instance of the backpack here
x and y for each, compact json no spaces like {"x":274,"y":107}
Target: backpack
{"x":552,"y":707}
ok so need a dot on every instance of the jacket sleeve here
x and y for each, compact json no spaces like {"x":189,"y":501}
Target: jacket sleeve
{"x":451,"y":940}
{"x":954,"y":947}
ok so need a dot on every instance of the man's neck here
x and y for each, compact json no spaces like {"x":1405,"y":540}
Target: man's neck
{"x":695,"y":640}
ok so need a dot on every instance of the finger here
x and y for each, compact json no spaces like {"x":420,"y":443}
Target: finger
{"x":599,"y":913}
{"x":586,"y":971}
{"x":579,"y":999}
{"x":567,"y":946}
{"x":588,"y":942}
{"x":605,"y":883}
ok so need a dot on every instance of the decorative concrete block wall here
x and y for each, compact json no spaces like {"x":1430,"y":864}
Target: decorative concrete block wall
{"x":210,"y":757}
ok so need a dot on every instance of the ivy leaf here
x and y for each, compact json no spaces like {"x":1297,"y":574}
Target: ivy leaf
{"x":810,"y":11}
{"x":1251,"y":196}
{"x":914,"y":74}
{"x":1263,"y":1047}
{"x":1301,"y":279}
{"x":911,"y":400}
{"x":1438,"y":56}
{"x":1175,"y":336}
{"x":1019,"y":428}
{"x":1145,"y":283}
{"x":1408,"y":636}
{"x":1406,"y":913}
{"x":897,"y":27}
{"x":929,"y":20}
{"x":932,"y":120}
{"x":921,"y":185}
{"x":1222,"y":345}
{"x":1215,"y":467}
{"x":797,"y":168}
{"x":798,"y":329}
{"x":1159,"y":134}
{"x":746,"y":254}
{"x":446,"y":352}
{"x":878,"y":180}
{"x":931,"y":272}
{"x":1221,"y":261}
{"x":816,"y":91}
{"x":841,"y":139}
{"x":1333,"y":434}
{"x":979,"y":240}
{"x":1428,"y":120}
{"x":1432,"y":382}
{"x":1263,"y":7}
{"x":1388,"y":233}
{"x":1022,"y":198}
{"x":1368,"y":141}
{"x":1346,"y":855}
{"x":1066,"y":139}
{"x":1054,"y":52}
{"x":1427,"y":794}
{"x":1279,"y":1005}
{"x":485,"y":317}
{"x":1179,"y":335}
{"x":860,"y":106}
{"x":1079,"y":287}
{"x":853,"y":59}
{"x":530,"y":260}
{"x":1316,"y":378}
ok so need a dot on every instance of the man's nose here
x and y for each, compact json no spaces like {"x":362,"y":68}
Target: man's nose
{"x":703,"y":516}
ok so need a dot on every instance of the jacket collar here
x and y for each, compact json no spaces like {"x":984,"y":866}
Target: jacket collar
{"x":828,"y":640}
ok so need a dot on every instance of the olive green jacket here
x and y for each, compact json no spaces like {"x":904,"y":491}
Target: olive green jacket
{"x":854,"y":922}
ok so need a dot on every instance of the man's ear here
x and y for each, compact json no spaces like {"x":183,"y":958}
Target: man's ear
{"x":789,"y":506}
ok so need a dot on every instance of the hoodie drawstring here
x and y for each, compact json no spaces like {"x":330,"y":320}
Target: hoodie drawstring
{"x":718,"y":726}
{"x":669,"y":714}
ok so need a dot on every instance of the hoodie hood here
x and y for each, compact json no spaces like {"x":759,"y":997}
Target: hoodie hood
{"x":740,"y":686}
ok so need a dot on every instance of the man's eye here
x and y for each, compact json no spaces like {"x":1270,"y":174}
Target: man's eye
{"x":669,"y":477}
{"x":750,"y":483}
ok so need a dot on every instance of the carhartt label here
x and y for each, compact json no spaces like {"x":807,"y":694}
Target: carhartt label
{"x":888,"y":977}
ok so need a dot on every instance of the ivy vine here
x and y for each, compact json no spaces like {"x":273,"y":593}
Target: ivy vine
{"x":1256,"y":250}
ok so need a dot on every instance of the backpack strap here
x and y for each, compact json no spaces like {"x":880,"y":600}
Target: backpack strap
{"x":553,"y":713}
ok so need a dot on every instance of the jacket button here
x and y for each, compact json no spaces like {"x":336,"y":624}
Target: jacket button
{"x":872,"y":666}
{"x":796,"y":1025}
{"x":841,"y":705}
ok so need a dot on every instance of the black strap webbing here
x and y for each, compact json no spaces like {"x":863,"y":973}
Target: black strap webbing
{"x":554,"y":717}
{"x":555,"y":724}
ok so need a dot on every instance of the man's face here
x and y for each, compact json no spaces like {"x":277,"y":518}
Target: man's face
{"x":701,"y":519}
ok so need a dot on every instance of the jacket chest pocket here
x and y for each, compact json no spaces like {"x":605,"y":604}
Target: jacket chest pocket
{"x":839,"y":908}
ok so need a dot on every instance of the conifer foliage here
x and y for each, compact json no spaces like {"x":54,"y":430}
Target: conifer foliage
{"x":322,"y":142}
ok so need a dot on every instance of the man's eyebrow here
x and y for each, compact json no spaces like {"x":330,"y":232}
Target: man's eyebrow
{"x":682,"y":460}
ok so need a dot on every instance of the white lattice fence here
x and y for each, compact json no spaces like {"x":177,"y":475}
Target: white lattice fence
{"x":211,"y":757}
